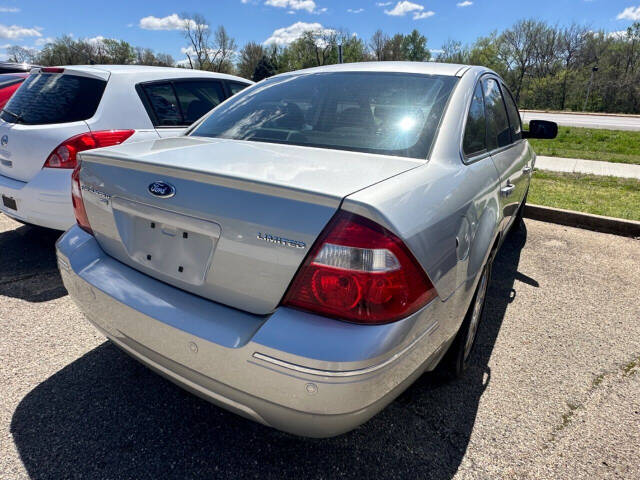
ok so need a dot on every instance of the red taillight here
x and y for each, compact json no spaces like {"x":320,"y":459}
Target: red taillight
{"x":78,"y":203}
{"x":360,"y":272}
{"x":64,"y":155}
{"x":52,"y":70}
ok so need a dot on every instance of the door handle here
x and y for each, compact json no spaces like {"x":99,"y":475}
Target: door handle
{"x":526,"y":170}
{"x":508,"y":190}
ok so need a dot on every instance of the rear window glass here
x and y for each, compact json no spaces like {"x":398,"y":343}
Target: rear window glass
{"x":46,"y":98}
{"x":8,"y":80}
{"x":387,"y":113}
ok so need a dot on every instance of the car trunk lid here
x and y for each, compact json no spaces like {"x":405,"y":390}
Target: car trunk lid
{"x":228,"y":220}
{"x":25,"y":148}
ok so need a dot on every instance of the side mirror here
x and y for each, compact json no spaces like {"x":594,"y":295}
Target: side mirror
{"x":541,"y":129}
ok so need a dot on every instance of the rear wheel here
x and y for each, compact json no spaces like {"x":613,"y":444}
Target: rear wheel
{"x":456,"y":359}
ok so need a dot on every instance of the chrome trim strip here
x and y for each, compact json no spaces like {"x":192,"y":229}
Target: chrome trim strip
{"x":345,"y":373}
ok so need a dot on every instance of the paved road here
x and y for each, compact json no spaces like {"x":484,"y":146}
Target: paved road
{"x":554,"y":391}
{"x":594,"y":167}
{"x":589,"y":121}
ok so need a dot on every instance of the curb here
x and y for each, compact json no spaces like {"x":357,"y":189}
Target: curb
{"x":597,"y":223}
{"x":597,"y":114}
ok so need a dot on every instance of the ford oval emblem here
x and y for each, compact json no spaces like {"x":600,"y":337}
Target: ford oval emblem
{"x":162,"y":190}
{"x":4,"y":140}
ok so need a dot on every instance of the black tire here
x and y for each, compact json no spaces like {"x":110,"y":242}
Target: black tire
{"x":456,"y":360}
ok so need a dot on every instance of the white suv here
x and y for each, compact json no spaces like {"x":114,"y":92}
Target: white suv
{"x":59,"y":111}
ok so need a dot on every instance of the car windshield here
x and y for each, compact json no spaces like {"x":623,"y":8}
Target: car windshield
{"x":386,"y":113}
{"x":46,"y":98}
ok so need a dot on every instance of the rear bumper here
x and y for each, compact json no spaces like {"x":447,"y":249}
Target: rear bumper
{"x":294,"y":371}
{"x":45,"y":200}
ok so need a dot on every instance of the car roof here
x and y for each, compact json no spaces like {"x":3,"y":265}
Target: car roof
{"x":12,"y":67}
{"x":14,"y":74}
{"x":151,"y":72}
{"x":425,"y":68}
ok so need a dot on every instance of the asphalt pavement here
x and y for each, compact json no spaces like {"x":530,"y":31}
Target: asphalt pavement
{"x":554,"y":390}
{"x":612,"y":122}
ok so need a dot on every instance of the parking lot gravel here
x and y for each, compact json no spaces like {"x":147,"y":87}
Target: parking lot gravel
{"x":554,"y":390}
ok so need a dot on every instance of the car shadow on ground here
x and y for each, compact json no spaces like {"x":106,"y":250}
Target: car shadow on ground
{"x":106,"y":416}
{"x":28,"y":267}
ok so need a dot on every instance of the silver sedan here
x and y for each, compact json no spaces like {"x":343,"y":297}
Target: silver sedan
{"x":311,"y":246}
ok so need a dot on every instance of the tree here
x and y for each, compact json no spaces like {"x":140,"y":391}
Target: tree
{"x":20,"y":54}
{"x":571,"y":42}
{"x":353,"y":48}
{"x":250,"y":56}
{"x":224,"y":48}
{"x":198,"y":34}
{"x":394,"y":48}
{"x":518,"y":49}
{"x":453,"y":52}
{"x":117,"y":52}
{"x":378,"y":44}
{"x":146,"y":56}
{"x":415,"y":47}
{"x":264,"y":69}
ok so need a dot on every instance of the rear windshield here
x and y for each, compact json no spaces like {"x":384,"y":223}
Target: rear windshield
{"x":46,"y":98}
{"x":8,"y":80}
{"x":386,"y":113}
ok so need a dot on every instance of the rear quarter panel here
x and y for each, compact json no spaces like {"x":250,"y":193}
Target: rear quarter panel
{"x":447,"y":212}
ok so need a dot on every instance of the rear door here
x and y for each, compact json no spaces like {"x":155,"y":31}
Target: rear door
{"x":51,"y":106}
{"x":508,"y":156}
{"x":174,"y":105}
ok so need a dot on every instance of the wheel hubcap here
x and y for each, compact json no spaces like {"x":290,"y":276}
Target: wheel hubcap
{"x":475,"y":316}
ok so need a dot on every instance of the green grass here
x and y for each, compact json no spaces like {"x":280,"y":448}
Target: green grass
{"x":592,"y":144}
{"x":609,"y":196}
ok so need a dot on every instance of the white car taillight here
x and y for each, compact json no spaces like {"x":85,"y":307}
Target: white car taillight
{"x":65,"y":154}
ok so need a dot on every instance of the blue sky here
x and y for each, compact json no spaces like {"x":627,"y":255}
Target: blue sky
{"x":151,"y":24}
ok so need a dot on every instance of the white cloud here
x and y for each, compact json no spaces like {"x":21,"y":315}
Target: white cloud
{"x":630,"y":13}
{"x":286,"y":35}
{"x":170,"y":22}
{"x":97,"y":40}
{"x":466,"y":3}
{"x":15,"y":31}
{"x":9,"y":10}
{"x":308,"y":5}
{"x":404,"y":7}
{"x":383,"y":4}
{"x":43,"y":41}
{"x":357,"y":10}
{"x":418,"y":16}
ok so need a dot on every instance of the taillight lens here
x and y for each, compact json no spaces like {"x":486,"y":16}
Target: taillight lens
{"x":78,"y":203}
{"x":360,"y":272}
{"x":65,"y":154}
{"x":52,"y":70}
